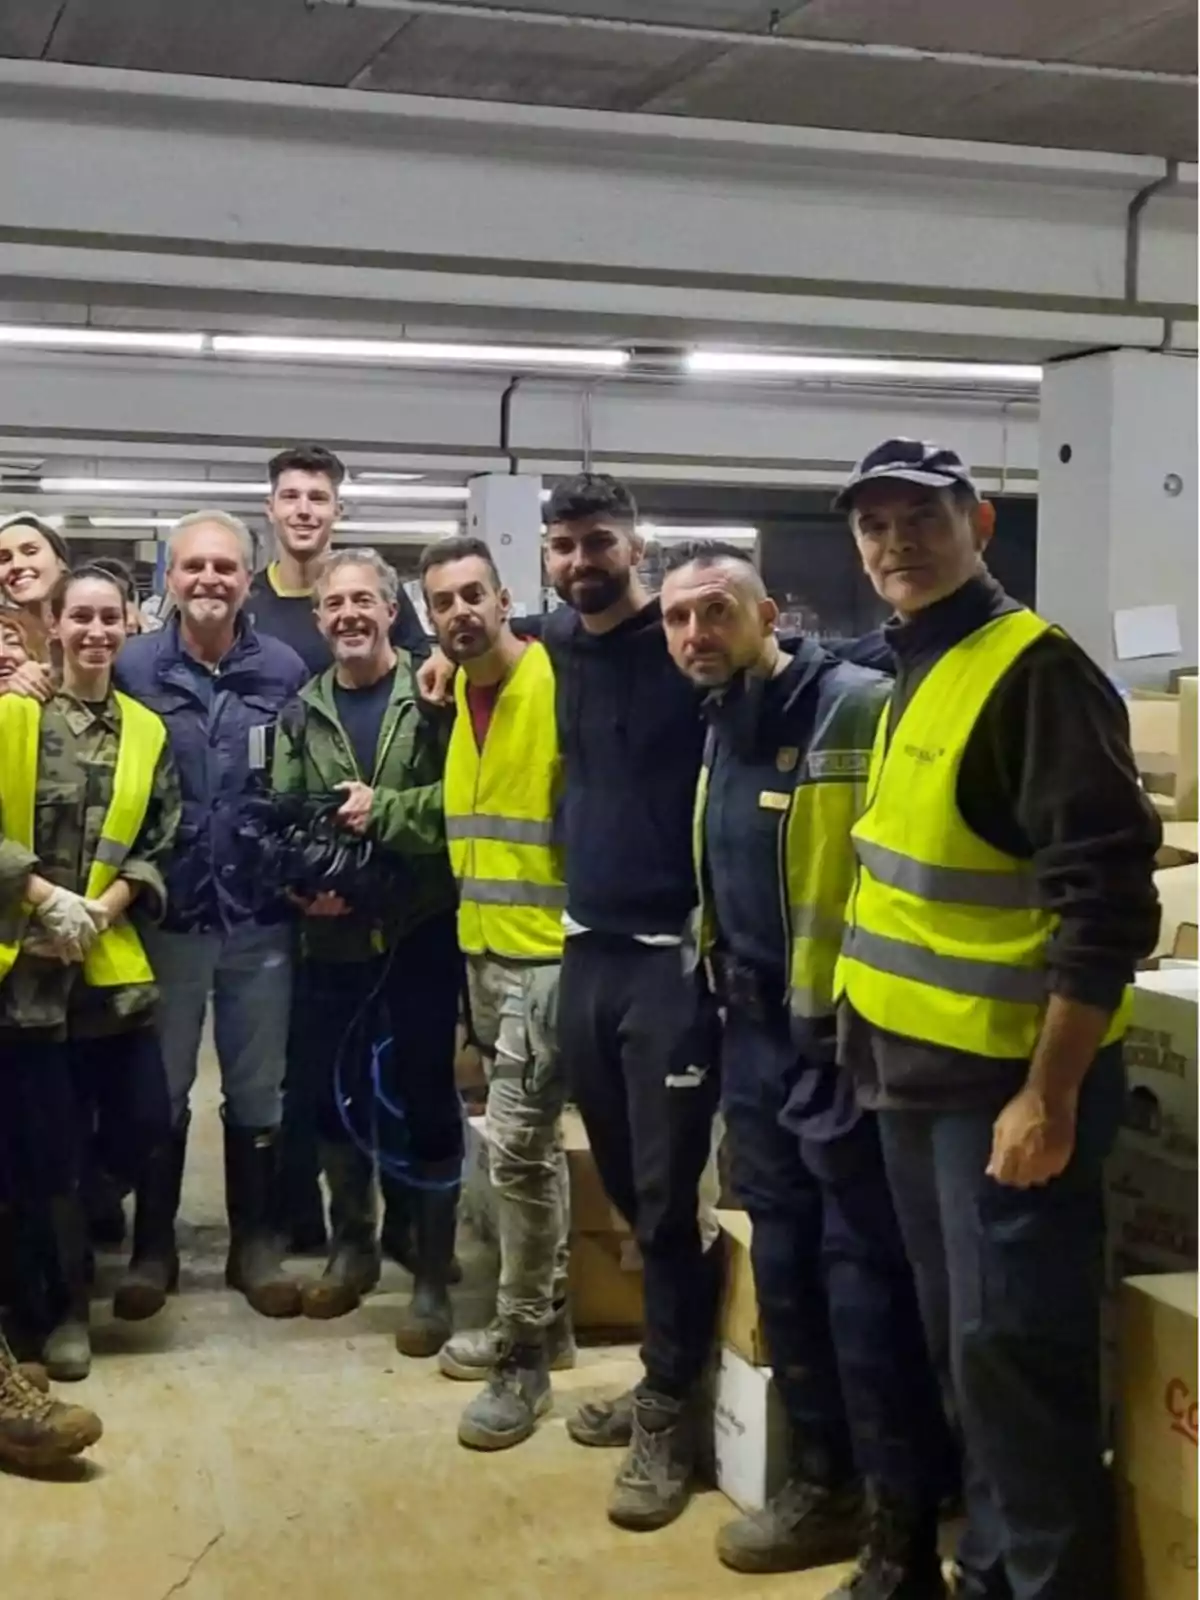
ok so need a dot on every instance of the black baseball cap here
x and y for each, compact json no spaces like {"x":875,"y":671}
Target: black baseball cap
{"x":915,"y":461}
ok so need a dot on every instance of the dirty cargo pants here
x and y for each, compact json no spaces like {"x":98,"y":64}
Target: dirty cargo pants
{"x":513,"y":1013}
{"x":1010,"y":1283}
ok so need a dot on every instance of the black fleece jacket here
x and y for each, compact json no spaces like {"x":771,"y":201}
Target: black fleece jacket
{"x":1047,"y":776}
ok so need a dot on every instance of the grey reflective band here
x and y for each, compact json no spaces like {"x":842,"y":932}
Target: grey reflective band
{"x":958,"y":886}
{"x":507,"y":830}
{"x":983,"y":980}
{"x":813,"y":922}
{"x":513,"y":892}
{"x":110,"y":852}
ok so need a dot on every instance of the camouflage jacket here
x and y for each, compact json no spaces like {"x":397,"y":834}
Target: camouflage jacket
{"x":77,"y":753}
{"x":313,"y":755}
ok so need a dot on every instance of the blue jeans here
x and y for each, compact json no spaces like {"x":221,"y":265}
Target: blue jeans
{"x":834,"y":1287}
{"x":1010,"y":1283}
{"x":248,"y":972}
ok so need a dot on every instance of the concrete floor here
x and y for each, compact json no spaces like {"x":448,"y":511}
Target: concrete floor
{"x":245,"y":1460}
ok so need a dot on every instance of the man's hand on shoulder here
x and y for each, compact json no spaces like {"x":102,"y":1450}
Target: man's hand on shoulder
{"x":435,"y":679}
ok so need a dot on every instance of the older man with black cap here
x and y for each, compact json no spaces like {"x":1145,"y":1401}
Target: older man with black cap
{"x":1002,"y":900}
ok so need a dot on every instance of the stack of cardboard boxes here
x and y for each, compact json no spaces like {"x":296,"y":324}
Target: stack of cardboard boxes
{"x":1156,"y":1442}
{"x":1163,"y":733}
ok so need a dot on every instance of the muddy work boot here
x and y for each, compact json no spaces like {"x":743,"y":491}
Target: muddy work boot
{"x":470,"y":1356}
{"x":899,"y":1558}
{"x":427,"y":1321}
{"x":656,"y":1478}
{"x":255,"y":1263}
{"x":354,"y":1262}
{"x":36,"y":1431}
{"x":604,"y":1424}
{"x":517,"y":1394}
{"x":153,"y":1270}
{"x":804,"y":1525}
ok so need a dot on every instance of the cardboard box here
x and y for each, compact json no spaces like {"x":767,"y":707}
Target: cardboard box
{"x":1163,"y":732}
{"x":1158,"y":1417}
{"x":1179,"y":890}
{"x":591,"y":1209}
{"x":1156,"y":1548}
{"x":1151,"y":1208}
{"x":740,"y":1327}
{"x":606,"y":1285}
{"x":1180,"y":846}
{"x":1161,"y":1104}
{"x":750,"y":1441}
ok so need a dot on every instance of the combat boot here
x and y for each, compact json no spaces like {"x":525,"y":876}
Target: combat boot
{"x":36,"y":1431}
{"x":428,"y":1321}
{"x":604,"y":1424}
{"x":354,"y":1262}
{"x":517,"y":1394}
{"x":153,"y":1270}
{"x":470,"y":1356}
{"x":804,"y":1525}
{"x":899,"y":1559}
{"x":254,"y":1266}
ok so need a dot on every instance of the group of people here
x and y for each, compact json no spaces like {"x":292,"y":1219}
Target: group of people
{"x":878,"y":904}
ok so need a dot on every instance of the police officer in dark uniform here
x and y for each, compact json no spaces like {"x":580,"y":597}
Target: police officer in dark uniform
{"x":788,"y":746}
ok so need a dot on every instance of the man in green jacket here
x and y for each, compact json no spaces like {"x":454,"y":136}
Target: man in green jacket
{"x":378,"y":986}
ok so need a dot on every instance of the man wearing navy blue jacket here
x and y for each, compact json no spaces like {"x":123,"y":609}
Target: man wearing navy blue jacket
{"x":219,"y":686}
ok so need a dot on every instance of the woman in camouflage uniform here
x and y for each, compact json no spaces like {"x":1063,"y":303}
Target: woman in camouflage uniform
{"x":78,"y":1047}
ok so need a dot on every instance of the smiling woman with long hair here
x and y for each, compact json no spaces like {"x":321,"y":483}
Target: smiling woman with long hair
{"x":89,"y":808}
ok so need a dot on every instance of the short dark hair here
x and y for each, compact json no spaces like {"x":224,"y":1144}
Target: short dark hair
{"x":118,"y":569}
{"x":86,"y":569}
{"x":705,"y":553}
{"x":458,"y":547}
{"x":307,"y":458}
{"x":591,"y":494}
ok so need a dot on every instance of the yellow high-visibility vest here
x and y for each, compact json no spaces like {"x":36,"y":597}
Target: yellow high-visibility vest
{"x":117,"y":957}
{"x":500,"y":803}
{"x":945,"y":935}
{"x":821,"y":791}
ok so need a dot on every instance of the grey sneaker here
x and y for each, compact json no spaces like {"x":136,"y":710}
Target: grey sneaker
{"x":604,"y":1424}
{"x":804,"y":1525}
{"x":470,"y":1356}
{"x":656,"y":1478}
{"x":507,"y":1411}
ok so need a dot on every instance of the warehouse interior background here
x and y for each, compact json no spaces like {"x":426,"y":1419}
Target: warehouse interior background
{"x":719,"y":248}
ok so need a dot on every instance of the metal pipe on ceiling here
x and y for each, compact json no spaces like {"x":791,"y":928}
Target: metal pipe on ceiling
{"x":1133,"y":226}
{"x":732,"y":38}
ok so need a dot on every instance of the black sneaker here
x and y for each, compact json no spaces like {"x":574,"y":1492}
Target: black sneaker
{"x":657,"y":1476}
{"x":899,"y":1559}
{"x":804,"y":1525}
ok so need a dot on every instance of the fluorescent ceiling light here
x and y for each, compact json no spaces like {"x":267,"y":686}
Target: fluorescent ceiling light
{"x":32,"y":337}
{"x":749,"y":363}
{"x":131,"y":522}
{"x":503,"y":355}
{"x":212,"y":489}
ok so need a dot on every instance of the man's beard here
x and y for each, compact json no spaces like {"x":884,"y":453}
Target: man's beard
{"x":598,"y":592}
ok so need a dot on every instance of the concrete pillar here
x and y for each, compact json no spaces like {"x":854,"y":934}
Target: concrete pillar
{"x":506,"y":510}
{"x":1117,"y":506}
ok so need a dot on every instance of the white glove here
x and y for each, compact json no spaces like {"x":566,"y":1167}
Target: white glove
{"x":69,"y":921}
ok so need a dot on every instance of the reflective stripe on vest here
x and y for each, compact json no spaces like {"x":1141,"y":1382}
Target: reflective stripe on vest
{"x":816,"y":856}
{"x":117,"y":957}
{"x":500,"y":804}
{"x":946,"y":940}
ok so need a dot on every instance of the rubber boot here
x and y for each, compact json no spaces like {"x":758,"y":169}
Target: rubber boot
{"x":255,"y":1263}
{"x":153,"y":1270}
{"x":37,"y":1431}
{"x":428,"y":1321}
{"x":354,"y":1261}
{"x":67,"y":1351}
{"x":398,"y":1235}
{"x":103,"y":1204}
{"x":899,"y":1558}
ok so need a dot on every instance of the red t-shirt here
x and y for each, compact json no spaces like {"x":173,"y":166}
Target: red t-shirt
{"x":481,"y":703}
